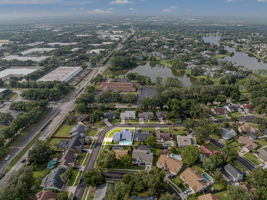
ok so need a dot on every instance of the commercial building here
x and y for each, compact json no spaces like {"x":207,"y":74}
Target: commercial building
{"x":63,"y":74}
{"x":36,"y":50}
{"x":25,"y":58}
{"x":15,"y":72}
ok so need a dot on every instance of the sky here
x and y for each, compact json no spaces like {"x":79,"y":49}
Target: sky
{"x":42,"y":8}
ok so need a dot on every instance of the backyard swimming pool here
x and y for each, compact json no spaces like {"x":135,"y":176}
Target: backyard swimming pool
{"x":207,"y":177}
{"x":126,"y":143}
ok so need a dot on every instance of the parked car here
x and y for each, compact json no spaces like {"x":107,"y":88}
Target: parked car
{"x":7,"y":157}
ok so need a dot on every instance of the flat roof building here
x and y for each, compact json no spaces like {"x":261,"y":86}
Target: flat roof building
{"x":16,"y":72}
{"x":36,"y":50}
{"x":63,"y":74}
{"x":25,"y":58}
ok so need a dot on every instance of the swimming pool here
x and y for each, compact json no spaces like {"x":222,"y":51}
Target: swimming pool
{"x":175,"y":156}
{"x":51,"y":164}
{"x":126,"y":143}
{"x":207,"y":177}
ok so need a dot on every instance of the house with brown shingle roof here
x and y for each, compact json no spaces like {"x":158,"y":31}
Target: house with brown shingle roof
{"x":248,"y":129}
{"x":194,"y":180}
{"x":247,"y":108}
{"x":117,"y":86}
{"x":120,"y":153}
{"x":68,"y":158}
{"x":262,"y":154}
{"x":46,"y":195}
{"x":248,"y":142}
{"x":208,"y":197}
{"x":162,"y":137}
{"x":183,"y":141}
{"x":170,"y":164}
{"x":219,"y":111}
{"x":205,"y":152}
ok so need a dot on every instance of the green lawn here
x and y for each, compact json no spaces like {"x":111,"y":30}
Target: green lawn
{"x":38,"y":176}
{"x":92,"y":132}
{"x":175,"y":131}
{"x":111,"y":133}
{"x":179,"y":183}
{"x":262,"y":142}
{"x":64,"y":131}
{"x":222,"y":195}
{"x":252,"y":158}
{"x":236,"y":114}
{"x":54,"y":142}
{"x":73,"y":177}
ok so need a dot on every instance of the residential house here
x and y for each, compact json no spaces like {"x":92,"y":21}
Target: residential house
{"x":128,"y":115}
{"x":208,"y":197}
{"x":142,"y":157}
{"x":84,"y":119}
{"x":163,"y":136}
{"x":170,"y":164}
{"x":76,"y":143}
{"x":231,"y":107}
{"x":117,"y":86}
{"x":68,"y":158}
{"x":109,"y":115}
{"x":247,"y":108}
{"x":124,"y":135}
{"x":46,"y":195}
{"x":248,"y":142}
{"x":227,"y":133}
{"x":119,"y":153}
{"x":53,"y":180}
{"x":262,"y":154}
{"x":141,"y":136}
{"x":4,"y":92}
{"x":183,"y":141}
{"x":219,"y":111}
{"x":248,"y":129}
{"x":143,"y":147}
{"x":143,"y":198}
{"x":161,"y":114}
{"x":146,"y":115}
{"x":205,"y":152}
{"x":233,"y":174}
{"x":78,"y":129}
{"x":194,"y":180}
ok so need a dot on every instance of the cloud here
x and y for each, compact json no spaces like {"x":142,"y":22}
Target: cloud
{"x":29,"y":1}
{"x":98,"y":11}
{"x":120,"y":2}
{"x":261,"y":0}
{"x":169,"y":10}
{"x":132,"y":9}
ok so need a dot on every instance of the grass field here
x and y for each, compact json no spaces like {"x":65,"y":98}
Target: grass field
{"x":252,"y":158}
{"x":222,"y":195}
{"x":63,"y":131}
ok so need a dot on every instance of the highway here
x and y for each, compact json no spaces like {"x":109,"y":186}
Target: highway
{"x":49,"y":124}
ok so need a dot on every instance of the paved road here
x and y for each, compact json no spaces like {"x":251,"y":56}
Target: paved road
{"x":57,"y":115}
{"x":91,"y":163}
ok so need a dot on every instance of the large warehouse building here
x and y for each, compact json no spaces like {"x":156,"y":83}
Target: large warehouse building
{"x":63,"y":74}
{"x":15,"y":72}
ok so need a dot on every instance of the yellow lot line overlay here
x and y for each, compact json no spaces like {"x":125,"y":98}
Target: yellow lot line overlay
{"x":110,"y":134}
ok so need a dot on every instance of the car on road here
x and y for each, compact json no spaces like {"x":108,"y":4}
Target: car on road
{"x":7,"y":157}
{"x":23,"y":160}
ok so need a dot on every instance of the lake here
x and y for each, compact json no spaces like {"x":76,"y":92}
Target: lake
{"x":160,"y":71}
{"x":240,"y":58}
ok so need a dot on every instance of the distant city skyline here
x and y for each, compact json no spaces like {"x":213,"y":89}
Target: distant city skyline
{"x":41,"y":8}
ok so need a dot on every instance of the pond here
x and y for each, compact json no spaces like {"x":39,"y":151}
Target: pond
{"x":240,"y":58}
{"x":160,"y":71}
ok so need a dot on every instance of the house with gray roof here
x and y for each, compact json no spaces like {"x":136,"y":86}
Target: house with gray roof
{"x":124,"y":135}
{"x":183,"y":141}
{"x":78,"y":129}
{"x":227,"y":133}
{"x":142,"y":157}
{"x":161,"y":114}
{"x":53,"y":181}
{"x":76,"y":143}
{"x":146,"y":115}
{"x":128,"y":115}
{"x":140,"y":136}
{"x":233,"y":174}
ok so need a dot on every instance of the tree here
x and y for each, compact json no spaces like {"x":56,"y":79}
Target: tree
{"x":258,"y":179}
{"x":168,"y":196}
{"x":151,"y":141}
{"x":40,"y":153}
{"x":5,"y":119}
{"x":126,"y":161}
{"x":213,"y":162}
{"x":190,"y":154}
{"x":229,"y":154}
{"x":236,"y":192}
{"x":121,"y":63}
{"x":18,"y":186}
{"x":94,"y":178}
{"x":63,"y":195}
{"x":189,"y":123}
{"x":107,"y":159}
